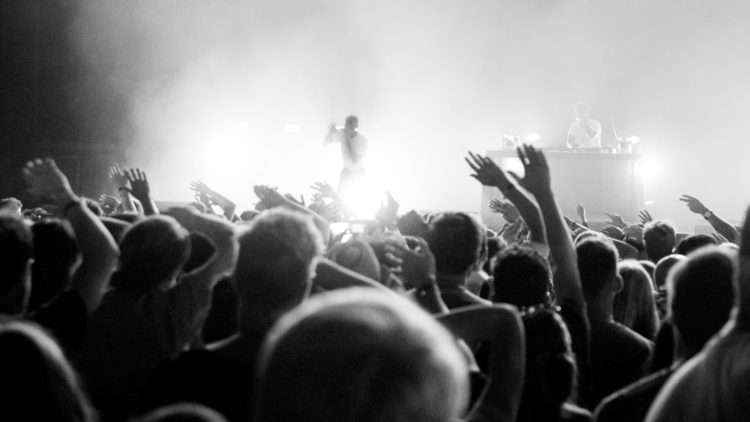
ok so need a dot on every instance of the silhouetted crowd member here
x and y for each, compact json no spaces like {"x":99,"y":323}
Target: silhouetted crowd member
{"x":194,"y":314}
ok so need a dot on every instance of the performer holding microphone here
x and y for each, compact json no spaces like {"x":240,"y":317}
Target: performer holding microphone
{"x":353,"y":152}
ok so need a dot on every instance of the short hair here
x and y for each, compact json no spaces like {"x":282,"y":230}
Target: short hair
{"x":151,"y":251}
{"x":693,"y":243}
{"x":635,"y":305}
{"x":521,"y":277}
{"x":701,"y":294}
{"x":658,"y":239}
{"x":351,"y":120}
{"x":597,"y":264}
{"x":662,"y":269}
{"x":360,"y":355}
{"x":16,"y":249}
{"x":275,"y":262}
{"x":455,"y":239}
{"x":38,"y":382}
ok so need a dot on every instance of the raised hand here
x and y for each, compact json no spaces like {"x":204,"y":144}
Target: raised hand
{"x":616,"y":219}
{"x":138,"y":183}
{"x":694,"y":204}
{"x":634,"y":232}
{"x":581,"y":212}
{"x":46,"y":181}
{"x":487,"y":172}
{"x":118,"y":177}
{"x":269,"y":198}
{"x":536,"y":171}
{"x":200,"y":187}
{"x":613,"y":232}
{"x":506,"y":209}
{"x":511,"y":232}
{"x":645,"y":217}
{"x":417,"y":265}
{"x":388,"y":210}
{"x":300,"y":201}
{"x":324,"y":189}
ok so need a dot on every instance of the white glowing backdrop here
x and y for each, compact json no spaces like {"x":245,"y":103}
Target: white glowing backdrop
{"x":237,"y":93}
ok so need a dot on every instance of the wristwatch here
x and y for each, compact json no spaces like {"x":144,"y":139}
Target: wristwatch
{"x":708,"y":214}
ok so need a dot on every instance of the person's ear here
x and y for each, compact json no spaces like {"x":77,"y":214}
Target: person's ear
{"x":618,"y":284}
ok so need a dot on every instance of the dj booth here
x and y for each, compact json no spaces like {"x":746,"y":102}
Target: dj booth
{"x":601,"y":181}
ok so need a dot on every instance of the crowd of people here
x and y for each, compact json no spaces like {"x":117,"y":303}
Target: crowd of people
{"x":116,"y":310}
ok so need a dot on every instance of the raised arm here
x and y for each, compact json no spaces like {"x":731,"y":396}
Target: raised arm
{"x":226,"y":204}
{"x":331,"y":276}
{"x":121,"y":183}
{"x":501,"y":325}
{"x":536,"y":180}
{"x":221,"y":233}
{"x":489,"y":174}
{"x":418,"y":270}
{"x":720,"y":225}
{"x":742,"y":317}
{"x":98,"y":249}
{"x":141,"y":190}
{"x":270,"y":198}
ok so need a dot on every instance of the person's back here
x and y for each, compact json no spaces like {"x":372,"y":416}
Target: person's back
{"x":457,"y":241}
{"x":618,"y":355}
{"x":275,"y":267}
{"x":715,"y":384}
{"x":149,"y":315}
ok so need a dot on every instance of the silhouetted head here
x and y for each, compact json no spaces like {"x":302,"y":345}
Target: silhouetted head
{"x":701,"y":295}
{"x":455,"y":239}
{"x":152,"y":253}
{"x":276,"y":263}
{"x":360,"y":355}
{"x":16,"y":252}
{"x":597,"y":265}
{"x":521,"y":277}
{"x":658,"y":239}
{"x":36,"y":381}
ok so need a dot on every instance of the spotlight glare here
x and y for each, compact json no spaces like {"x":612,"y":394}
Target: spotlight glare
{"x":533,"y":137}
{"x":291,"y":128}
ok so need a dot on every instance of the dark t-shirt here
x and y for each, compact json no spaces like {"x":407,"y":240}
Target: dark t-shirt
{"x":66,"y":318}
{"x":619,"y":356}
{"x":205,"y":377}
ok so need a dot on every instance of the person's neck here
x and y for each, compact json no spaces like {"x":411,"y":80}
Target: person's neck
{"x":600,"y":310}
{"x":450,"y":280}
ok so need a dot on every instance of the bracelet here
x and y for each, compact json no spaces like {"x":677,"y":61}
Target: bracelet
{"x":70,"y":205}
{"x":124,"y":188}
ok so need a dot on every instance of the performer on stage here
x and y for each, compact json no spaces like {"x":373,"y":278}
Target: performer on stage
{"x":584,"y":132}
{"x":353,"y":152}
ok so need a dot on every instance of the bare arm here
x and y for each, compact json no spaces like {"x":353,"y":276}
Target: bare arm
{"x":270,"y":198}
{"x":221,"y":233}
{"x":226,"y":204}
{"x":720,"y":225}
{"x":98,"y":249}
{"x":141,"y":190}
{"x":502,"y":325}
{"x":567,"y":282}
{"x":331,"y":276}
{"x":120,"y":180}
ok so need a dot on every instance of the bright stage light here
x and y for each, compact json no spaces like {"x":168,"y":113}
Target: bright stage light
{"x":291,"y":128}
{"x":533,"y":137}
